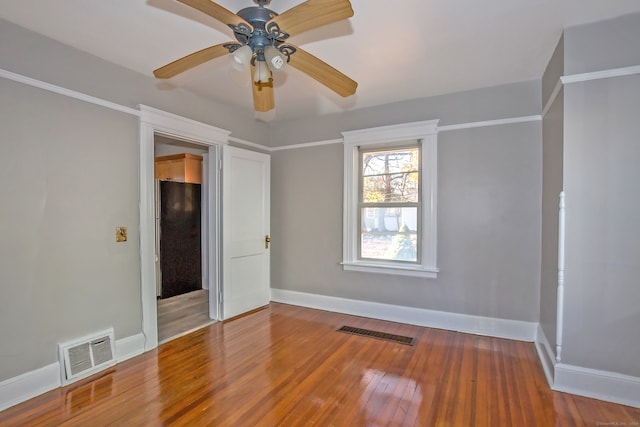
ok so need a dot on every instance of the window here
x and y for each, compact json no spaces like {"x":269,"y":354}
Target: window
{"x":390,"y":199}
{"x":389,"y":204}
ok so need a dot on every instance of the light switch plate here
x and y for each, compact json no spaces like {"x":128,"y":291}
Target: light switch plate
{"x":121,"y":234}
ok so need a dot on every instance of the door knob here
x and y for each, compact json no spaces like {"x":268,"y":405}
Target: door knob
{"x":267,"y":240}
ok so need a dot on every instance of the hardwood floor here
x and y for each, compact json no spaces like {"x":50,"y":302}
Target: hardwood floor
{"x":287,"y":366}
{"x":182,"y":314}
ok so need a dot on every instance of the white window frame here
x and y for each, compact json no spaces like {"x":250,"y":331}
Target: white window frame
{"x":426,"y":133}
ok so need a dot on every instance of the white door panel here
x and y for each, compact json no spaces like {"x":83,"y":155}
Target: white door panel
{"x":245,"y":223}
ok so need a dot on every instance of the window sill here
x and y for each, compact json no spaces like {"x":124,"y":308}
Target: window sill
{"x":394,"y":269}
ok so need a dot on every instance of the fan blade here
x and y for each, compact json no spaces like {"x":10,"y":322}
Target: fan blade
{"x":186,"y":63}
{"x":263,"y":97}
{"x":215,"y":11}
{"x":323,"y":72}
{"x":312,"y":14}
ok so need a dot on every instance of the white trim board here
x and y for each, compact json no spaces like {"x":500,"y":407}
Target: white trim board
{"x":308,"y":144}
{"x":602,"y":385}
{"x":552,"y":97}
{"x":603,"y":74}
{"x":33,"y":383}
{"x":596,"y":384}
{"x":586,"y":77}
{"x":67,"y":92}
{"x":545,"y":354}
{"x":249,"y":144}
{"x":129,"y":347}
{"x":486,"y":123}
{"x":28,"y":385}
{"x":445,"y":128}
{"x":499,"y":328}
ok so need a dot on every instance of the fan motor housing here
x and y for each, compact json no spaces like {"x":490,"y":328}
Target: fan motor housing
{"x":259,"y":38}
{"x":257,"y":16}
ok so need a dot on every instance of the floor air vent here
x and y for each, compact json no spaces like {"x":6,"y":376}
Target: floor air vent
{"x":377,"y":334}
{"x":82,"y":358}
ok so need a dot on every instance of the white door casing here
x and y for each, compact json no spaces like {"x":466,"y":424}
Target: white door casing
{"x":245,"y":225}
{"x":154,"y":121}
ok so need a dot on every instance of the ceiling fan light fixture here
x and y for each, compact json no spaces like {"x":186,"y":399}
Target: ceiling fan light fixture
{"x":261,"y":46}
{"x":275,"y":60}
{"x":242,"y":57}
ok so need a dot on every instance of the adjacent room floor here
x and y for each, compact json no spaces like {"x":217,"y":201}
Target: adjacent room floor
{"x":182,"y":314}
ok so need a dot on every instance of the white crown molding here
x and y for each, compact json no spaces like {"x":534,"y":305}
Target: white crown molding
{"x":586,"y":77}
{"x":23,"y":387}
{"x":250,"y":144}
{"x":486,"y":123}
{"x":603,"y":74}
{"x":602,"y":385}
{"x":308,"y":144}
{"x":67,"y":92}
{"x":500,"y":328}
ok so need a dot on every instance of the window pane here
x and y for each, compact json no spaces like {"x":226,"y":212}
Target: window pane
{"x":400,"y":187}
{"x":389,"y":234}
{"x":390,"y":175}
{"x":390,"y":161}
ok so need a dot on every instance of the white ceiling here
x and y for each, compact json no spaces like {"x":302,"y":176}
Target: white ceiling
{"x":395,"y":50}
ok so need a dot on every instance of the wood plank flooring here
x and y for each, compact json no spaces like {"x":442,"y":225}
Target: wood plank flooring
{"x":287,"y":366}
{"x":182,"y":314}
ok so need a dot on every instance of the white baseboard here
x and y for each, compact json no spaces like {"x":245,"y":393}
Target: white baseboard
{"x":545,"y":354}
{"x":602,"y":385}
{"x":129,"y":347}
{"x":33,"y":383}
{"x":30,"y":384}
{"x":500,"y":328}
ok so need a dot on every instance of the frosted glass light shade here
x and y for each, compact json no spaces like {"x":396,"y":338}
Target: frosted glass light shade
{"x":242,"y":57}
{"x":261,"y":73}
{"x":275,"y":60}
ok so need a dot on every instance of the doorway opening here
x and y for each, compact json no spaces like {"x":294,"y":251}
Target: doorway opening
{"x":181,"y":224}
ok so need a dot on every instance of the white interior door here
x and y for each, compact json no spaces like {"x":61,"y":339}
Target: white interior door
{"x":245,"y":226}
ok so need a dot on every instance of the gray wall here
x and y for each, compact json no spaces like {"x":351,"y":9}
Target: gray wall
{"x":603,"y":46}
{"x":552,"y":164}
{"x":69,"y":178}
{"x":553,"y":72}
{"x":513,"y":100}
{"x":488,"y":211}
{"x":601,"y":177}
{"x":590,"y":149}
{"x":552,"y":161}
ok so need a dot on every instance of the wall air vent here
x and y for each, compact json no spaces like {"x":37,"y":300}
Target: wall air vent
{"x":84,"y":357}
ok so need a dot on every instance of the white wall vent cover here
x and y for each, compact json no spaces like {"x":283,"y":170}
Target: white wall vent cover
{"x":84,"y":357}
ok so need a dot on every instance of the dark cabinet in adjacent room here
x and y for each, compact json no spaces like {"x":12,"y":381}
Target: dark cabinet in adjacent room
{"x":180,"y":238}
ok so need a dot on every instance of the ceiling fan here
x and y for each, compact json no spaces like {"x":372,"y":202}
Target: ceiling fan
{"x":261,"y":44}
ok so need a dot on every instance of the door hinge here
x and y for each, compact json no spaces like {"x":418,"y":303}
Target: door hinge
{"x":219,"y":164}
{"x":220,"y":297}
